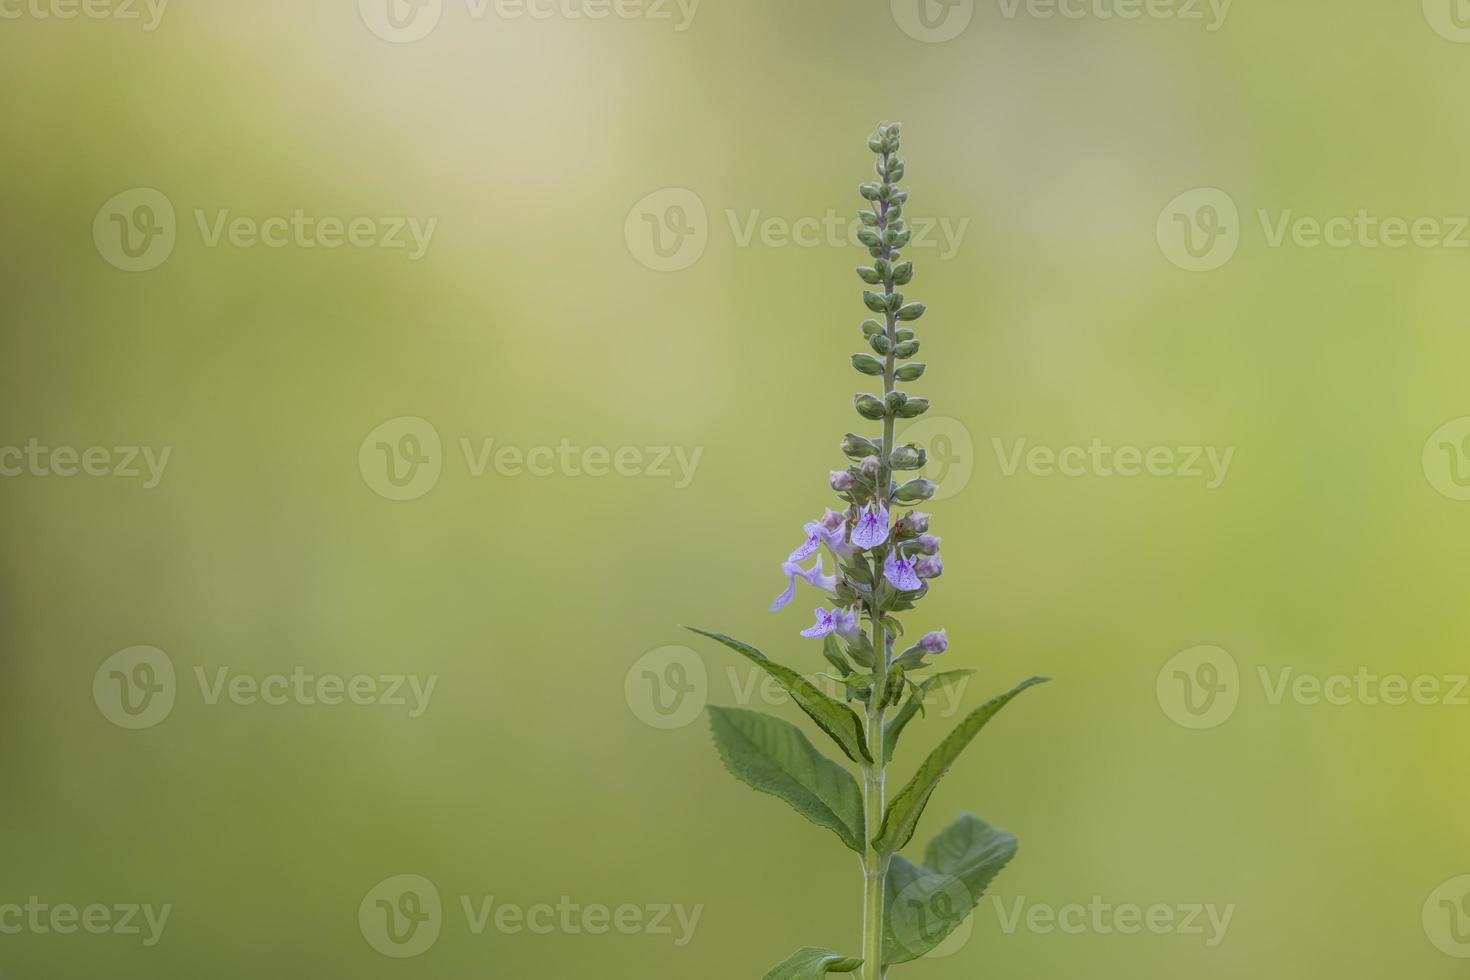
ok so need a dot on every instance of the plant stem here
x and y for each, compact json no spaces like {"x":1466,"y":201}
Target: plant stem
{"x":875,"y":864}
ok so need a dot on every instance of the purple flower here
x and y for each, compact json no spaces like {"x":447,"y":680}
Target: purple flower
{"x":813,"y":576}
{"x":928,"y":544}
{"x":840,"y":621}
{"x":899,"y":569}
{"x":841,"y":481}
{"x":872,"y":527}
{"x":935,"y":642}
{"x":826,"y":531}
{"x":930,"y":566}
{"x":917,"y":522}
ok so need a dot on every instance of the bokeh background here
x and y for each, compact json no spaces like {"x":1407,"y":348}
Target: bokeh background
{"x":548,"y":150}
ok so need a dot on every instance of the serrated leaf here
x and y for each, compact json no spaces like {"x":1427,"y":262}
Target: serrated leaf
{"x":903,"y":812}
{"x":925,"y":903}
{"x":774,"y":756}
{"x":810,"y":963}
{"x":832,"y":716}
{"x":915,"y":704}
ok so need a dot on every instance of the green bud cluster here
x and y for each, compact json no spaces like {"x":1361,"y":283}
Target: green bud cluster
{"x":885,"y":233}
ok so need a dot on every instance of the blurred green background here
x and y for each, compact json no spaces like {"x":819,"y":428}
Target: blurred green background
{"x":549,"y":150}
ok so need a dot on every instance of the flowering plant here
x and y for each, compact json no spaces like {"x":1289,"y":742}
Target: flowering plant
{"x":882,"y":568}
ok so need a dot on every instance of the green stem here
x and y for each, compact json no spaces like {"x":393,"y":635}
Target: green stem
{"x":875,"y":864}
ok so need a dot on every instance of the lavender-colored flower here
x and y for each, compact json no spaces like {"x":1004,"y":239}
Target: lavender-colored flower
{"x":899,"y":569}
{"x":826,"y":531}
{"x":812,"y":576}
{"x":935,"y":642}
{"x":841,"y":481}
{"x":928,"y":545}
{"x":930,"y":566}
{"x":843,"y":622}
{"x":872,"y":526}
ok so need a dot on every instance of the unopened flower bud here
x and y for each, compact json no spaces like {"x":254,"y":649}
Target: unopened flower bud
{"x":833,"y":520}
{"x":918,"y":522}
{"x":841,"y":481}
{"x":916,"y":490}
{"x":869,"y":407}
{"x":908,"y":458}
{"x":930,"y":566}
{"x":928,"y":545}
{"x":935,"y":642}
{"x":870,"y":466}
{"x":856,"y":447}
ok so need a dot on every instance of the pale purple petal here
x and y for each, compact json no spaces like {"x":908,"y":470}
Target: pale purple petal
{"x":826,"y":623}
{"x":813,"y":541}
{"x":812,"y":576}
{"x":872,"y":527}
{"x":899,"y":570}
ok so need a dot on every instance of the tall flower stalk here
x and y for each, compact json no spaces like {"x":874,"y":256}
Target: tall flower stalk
{"x":882,"y":569}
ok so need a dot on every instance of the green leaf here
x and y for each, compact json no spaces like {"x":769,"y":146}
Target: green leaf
{"x":773,"y":756}
{"x":925,"y":903}
{"x":809,"y":963}
{"x":905,"y":809}
{"x":914,"y":705}
{"x":832,"y":716}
